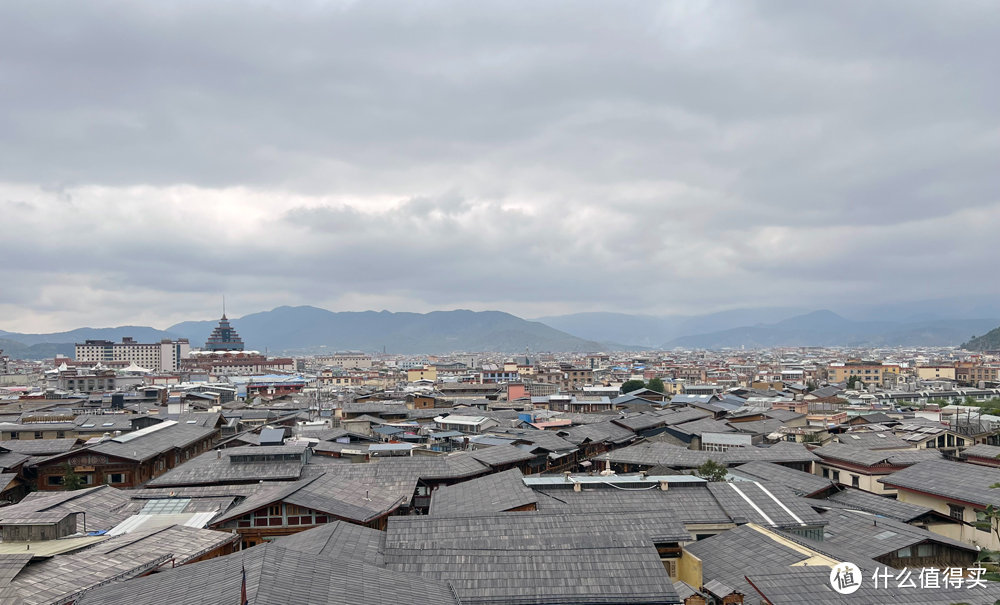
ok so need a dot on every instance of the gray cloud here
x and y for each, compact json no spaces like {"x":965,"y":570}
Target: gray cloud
{"x":534,"y":157}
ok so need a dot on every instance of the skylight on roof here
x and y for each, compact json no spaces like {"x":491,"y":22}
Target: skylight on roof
{"x":165,"y":506}
{"x":89,"y":425}
{"x":884,"y":535}
{"x":108,"y":424}
{"x":855,"y":437}
{"x":192,"y":422}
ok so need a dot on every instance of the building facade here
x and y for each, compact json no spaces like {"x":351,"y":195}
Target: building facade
{"x":164,"y":356}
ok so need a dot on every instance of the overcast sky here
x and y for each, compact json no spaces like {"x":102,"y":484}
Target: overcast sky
{"x":533,"y":157}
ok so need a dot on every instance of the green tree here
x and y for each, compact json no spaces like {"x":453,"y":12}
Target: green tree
{"x":854,"y":382}
{"x":657,"y":385}
{"x":712,"y":471}
{"x":632,"y":385}
{"x":71,"y":480}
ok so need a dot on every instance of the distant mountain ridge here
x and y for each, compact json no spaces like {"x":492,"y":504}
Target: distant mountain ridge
{"x":987,"y":342}
{"x":310,"y":330}
{"x":826,"y":328}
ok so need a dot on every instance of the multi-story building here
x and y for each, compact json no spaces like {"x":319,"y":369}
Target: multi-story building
{"x":4,"y":363}
{"x":974,"y":373}
{"x":347,"y":360}
{"x":867,"y":372}
{"x":236,"y":363}
{"x":164,"y":356}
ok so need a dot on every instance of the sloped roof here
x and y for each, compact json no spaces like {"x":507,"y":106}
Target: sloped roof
{"x":216,"y":467}
{"x":955,"y":480}
{"x":542,"y":558}
{"x":866,"y":457}
{"x":800,"y":482}
{"x":104,"y":505}
{"x":275,"y":574}
{"x":599,"y":432}
{"x":856,"y":499}
{"x":497,"y":455}
{"x":144,"y":447}
{"x":182,"y":543}
{"x":767,"y":504}
{"x":492,"y":493}
{"x":338,"y":539}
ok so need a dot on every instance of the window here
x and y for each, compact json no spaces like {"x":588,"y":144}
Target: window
{"x":116,"y":478}
{"x":60,"y":434}
{"x":38,"y":434}
{"x":925,"y":550}
{"x":15,"y":435}
{"x":904,"y":553}
{"x":54,"y":480}
{"x":956,"y":512}
{"x":836,"y":475}
{"x":826,"y":473}
{"x":855,"y":481}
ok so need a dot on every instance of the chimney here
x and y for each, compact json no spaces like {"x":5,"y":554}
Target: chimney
{"x":218,"y":454}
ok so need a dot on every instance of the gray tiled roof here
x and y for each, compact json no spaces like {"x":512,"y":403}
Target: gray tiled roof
{"x":180,"y":542}
{"x":689,"y":503}
{"x":39,"y":447}
{"x":800,"y":482}
{"x":105,"y":506}
{"x":12,"y":459}
{"x":968,"y":482}
{"x":866,"y":457}
{"x":650,"y":453}
{"x":338,"y":539}
{"x":547,"y":440}
{"x":682,"y":414}
{"x":216,"y":467}
{"x":875,"y":440}
{"x":492,"y":493}
{"x":767,"y":504}
{"x":729,"y":556}
{"x":982,"y":450}
{"x":856,"y":499}
{"x":540,"y":559}
{"x":11,"y":565}
{"x":148,"y":446}
{"x":498,"y":455}
{"x":58,"y":578}
{"x":704,"y":425}
{"x":783,"y":451}
{"x":599,"y":432}
{"x":873,"y":536}
{"x":275,"y":574}
{"x":641,"y":422}
{"x":328,"y":493}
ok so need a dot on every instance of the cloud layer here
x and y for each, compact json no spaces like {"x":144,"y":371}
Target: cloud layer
{"x":539,"y":158}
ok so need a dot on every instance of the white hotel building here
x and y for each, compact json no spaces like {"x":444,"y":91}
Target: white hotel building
{"x":164,"y":356}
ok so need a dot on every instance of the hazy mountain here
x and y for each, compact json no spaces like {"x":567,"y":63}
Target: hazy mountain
{"x":987,"y":342}
{"x":826,"y":328}
{"x":310,"y":328}
{"x":139,"y":333}
{"x":19,"y":350}
{"x":652,"y":331}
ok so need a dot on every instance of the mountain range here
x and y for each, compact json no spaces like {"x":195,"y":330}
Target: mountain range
{"x":305,"y":329}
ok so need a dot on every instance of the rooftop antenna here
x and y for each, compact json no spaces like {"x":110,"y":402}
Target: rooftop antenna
{"x":223,"y":306}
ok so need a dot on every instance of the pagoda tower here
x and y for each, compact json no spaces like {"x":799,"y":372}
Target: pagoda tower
{"x":224,"y":337}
